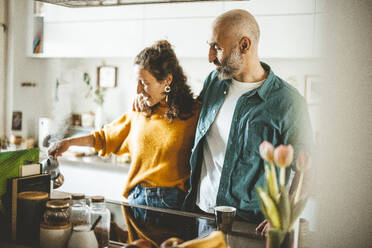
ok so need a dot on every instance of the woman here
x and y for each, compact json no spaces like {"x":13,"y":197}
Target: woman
{"x":159,"y":137}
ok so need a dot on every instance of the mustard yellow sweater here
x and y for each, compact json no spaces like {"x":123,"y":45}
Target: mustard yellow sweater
{"x":160,"y":150}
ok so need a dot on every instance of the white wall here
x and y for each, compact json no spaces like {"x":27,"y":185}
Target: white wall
{"x":32,"y":101}
{"x":344,"y":180}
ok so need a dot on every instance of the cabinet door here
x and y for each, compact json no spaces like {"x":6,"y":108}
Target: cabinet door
{"x":183,"y":10}
{"x":55,"y":13}
{"x":273,"y":7}
{"x":286,"y":36}
{"x":319,"y":34}
{"x":93,"y":39}
{"x":189,"y":36}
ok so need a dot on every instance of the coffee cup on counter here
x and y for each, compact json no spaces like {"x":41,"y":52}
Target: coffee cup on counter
{"x":224,"y":218}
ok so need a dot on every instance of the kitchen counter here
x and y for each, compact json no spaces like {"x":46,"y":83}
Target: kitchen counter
{"x":157,"y":225}
{"x":160,"y":224}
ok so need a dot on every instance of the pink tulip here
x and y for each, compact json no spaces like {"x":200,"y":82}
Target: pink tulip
{"x":302,"y":161}
{"x":267,"y":151}
{"x":283,"y":155}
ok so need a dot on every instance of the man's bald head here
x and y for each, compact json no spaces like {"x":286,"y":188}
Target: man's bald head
{"x":236,"y":24}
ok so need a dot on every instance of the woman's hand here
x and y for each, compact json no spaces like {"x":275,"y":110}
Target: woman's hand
{"x":56,"y":149}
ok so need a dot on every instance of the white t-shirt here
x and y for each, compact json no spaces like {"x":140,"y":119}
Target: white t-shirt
{"x":214,"y":147}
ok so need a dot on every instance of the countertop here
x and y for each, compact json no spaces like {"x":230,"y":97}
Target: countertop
{"x":174,"y":223}
{"x":157,"y":225}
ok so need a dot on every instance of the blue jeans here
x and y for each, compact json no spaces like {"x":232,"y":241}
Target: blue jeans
{"x":171,"y":198}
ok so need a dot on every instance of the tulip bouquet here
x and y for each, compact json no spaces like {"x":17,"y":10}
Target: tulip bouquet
{"x":278,"y":207}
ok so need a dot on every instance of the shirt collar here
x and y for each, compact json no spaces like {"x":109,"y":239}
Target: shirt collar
{"x":265,"y":89}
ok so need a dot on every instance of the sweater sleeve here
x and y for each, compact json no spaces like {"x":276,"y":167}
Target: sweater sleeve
{"x":112,"y":137}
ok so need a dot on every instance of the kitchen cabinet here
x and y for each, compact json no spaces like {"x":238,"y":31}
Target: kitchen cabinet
{"x":319,"y":34}
{"x":183,"y":10}
{"x":189,"y":36}
{"x":93,"y":39}
{"x":286,"y":36}
{"x":287,"y":28}
{"x":273,"y":7}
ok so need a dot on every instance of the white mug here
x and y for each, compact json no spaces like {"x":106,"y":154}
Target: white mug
{"x":82,"y":237}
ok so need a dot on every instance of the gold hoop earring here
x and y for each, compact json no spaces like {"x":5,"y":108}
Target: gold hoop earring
{"x":167,"y":90}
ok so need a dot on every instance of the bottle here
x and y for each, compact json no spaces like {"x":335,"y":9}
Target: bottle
{"x":80,"y":212}
{"x":102,"y":229}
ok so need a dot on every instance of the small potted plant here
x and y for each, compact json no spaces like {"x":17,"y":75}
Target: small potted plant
{"x":279,"y":208}
{"x":98,"y":97}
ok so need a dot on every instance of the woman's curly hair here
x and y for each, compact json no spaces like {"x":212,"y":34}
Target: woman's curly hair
{"x":160,"y":60}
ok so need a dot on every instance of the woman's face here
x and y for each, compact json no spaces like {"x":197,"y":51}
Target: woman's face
{"x":151,"y":89}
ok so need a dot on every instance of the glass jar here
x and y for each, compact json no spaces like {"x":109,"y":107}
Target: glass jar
{"x":102,"y":229}
{"x":57,"y":213}
{"x":80,"y":212}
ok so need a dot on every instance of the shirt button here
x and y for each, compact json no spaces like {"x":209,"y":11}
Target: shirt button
{"x":214,"y":111}
{"x":192,"y":150}
{"x":225,"y":92}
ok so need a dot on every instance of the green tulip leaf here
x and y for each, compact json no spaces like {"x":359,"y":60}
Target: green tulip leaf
{"x":263,"y":208}
{"x":284,"y":209}
{"x":270,"y":184}
{"x":270,"y":208}
{"x":296,"y":211}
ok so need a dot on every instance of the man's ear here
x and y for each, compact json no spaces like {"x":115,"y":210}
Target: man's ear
{"x":244,"y":44}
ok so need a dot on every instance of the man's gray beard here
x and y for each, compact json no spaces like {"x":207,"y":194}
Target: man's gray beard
{"x":230,"y":66}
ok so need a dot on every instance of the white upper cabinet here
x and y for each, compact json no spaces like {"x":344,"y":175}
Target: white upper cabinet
{"x":286,"y":36}
{"x":287,"y":28}
{"x":183,"y":10}
{"x":273,"y":7}
{"x":189,"y":36}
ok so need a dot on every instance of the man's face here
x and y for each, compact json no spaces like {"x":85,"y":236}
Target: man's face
{"x":226,"y":57}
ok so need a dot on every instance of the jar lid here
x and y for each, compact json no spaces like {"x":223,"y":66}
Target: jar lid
{"x":66,"y":198}
{"x":33,"y":195}
{"x":78,"y":196}
{"x":57,"y":204}
{"x":98,"y":199}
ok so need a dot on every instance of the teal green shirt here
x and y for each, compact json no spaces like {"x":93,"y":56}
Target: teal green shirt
{"x":275,"y":112}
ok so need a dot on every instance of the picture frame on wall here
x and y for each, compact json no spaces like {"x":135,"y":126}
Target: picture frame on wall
{"x":312,"y":88}
{"x":107,"y":76}
{"x":17,"y":121}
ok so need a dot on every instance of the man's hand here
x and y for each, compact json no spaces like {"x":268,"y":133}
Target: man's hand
{"x":263,"y":227}
{"x":56,"y":149}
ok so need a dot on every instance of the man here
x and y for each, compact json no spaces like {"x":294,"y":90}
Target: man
{"x":243,"y":104}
